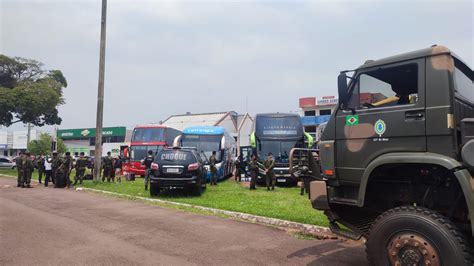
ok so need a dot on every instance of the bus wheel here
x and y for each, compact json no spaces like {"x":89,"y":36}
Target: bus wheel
{"x":411,"y":235}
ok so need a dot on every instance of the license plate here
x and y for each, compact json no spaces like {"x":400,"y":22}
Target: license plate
{"x":172,"y":170}
{"x":281,"y":180}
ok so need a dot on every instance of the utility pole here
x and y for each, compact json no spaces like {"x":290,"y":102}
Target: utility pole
{"x":28,"y":135}
{"x":100,"y":96}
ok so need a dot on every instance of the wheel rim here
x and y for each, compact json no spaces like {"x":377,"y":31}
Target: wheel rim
{"x":411,"y":249}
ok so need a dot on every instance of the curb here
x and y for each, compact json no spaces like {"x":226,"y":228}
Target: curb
{"x":319,"y":232}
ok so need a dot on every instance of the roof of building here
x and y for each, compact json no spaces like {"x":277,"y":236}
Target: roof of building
{"x":183,"y":121}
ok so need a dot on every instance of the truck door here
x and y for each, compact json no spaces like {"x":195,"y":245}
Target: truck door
{"x":387,"y":114}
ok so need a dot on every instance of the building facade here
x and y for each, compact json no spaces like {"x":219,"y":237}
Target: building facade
{"x":316,"y":111}
{"x":237,"y":125}
{"x":14,"y":142}
{"x":83,"y":139}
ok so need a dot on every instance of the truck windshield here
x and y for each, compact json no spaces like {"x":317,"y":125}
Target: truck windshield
{"x":138,"y":153}
{"x":148,"y":135}
{"x":279,"y":148}
{"x":204,"y":143}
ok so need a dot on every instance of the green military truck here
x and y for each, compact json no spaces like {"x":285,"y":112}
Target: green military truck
{"x":397,"y":158}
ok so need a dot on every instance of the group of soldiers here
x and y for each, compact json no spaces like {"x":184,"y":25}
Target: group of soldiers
{"x":55,"y":169}
{"x":253,"y":166}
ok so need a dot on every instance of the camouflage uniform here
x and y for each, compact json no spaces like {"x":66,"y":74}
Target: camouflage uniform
{"x":81,"y":164}
{"x":40,"y":166}
{"x":107,"y":167}
{"x":56,"y":162}
{"x":19,"y":168}
{"x":28,"y":168}
{"x":65,"y":168}
{"x":212,"y":164}
{"x":253,"y":169}
{"x":269,"y":164}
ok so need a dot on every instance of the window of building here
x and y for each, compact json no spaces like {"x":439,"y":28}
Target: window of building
{"x":325,"y":112}
{"x":310,"y":113}
{"x":385,"y":87}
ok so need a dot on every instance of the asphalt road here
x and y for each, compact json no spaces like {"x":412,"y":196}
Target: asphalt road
{"x":47,"y":226}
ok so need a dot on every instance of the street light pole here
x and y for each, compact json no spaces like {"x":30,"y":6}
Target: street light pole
{"x":100,"y":96}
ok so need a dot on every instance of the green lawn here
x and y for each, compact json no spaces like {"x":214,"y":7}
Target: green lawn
{"x":283,"y":203}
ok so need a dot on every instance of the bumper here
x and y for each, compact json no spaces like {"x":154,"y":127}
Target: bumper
{"x":318,"y":195}
{"x":174,"y":181}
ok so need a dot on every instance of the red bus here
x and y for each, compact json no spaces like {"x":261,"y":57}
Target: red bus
{"x":145,"y":138}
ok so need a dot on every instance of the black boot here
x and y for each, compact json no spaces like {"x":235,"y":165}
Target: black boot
{"x":146,"y":187}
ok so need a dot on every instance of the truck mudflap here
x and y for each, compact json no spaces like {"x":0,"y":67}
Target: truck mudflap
{"x":318,"y":195}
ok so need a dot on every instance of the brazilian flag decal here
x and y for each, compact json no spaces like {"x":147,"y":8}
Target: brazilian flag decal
{"x":352,"y":120}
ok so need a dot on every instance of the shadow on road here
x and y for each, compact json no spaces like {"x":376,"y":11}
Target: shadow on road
{"x":337,"y":252}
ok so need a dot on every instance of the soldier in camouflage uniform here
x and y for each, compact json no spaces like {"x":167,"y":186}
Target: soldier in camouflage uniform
{"x":66,"y":167}
{"x":253,"y":169}
{"x":55,"y":164}
{"x":40,"y":166}
{"x":19,"y":168}
{"x":269,"y":164}
{"x":107,"y":166}
{"x":28,"y":168}
{"x":81,"y":164}
{"x":212,"y":164}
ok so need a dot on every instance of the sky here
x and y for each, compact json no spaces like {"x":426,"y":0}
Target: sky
{"x":172,"y":57}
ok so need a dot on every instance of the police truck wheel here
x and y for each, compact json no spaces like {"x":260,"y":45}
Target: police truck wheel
{"x":416,"y":236}
{"x":154,"y":190}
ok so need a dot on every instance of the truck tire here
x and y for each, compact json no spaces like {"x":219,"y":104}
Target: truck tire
{"x":154,"y":190}
{"x":198,"y":189}
{"x":411,"y":235}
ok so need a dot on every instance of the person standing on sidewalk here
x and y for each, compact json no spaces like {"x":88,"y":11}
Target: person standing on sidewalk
{"x":212,"y":165}
{"x":118,"y":169}
{"x":269,"y":164}
{"x":253,"y":168}
{"x":55,"y":164}
{"x":147,"y":162}
{"x":80,"y":166}
{"x":28,"y":168}
{"x":48,"y":170}
{"x":19,"y":169}
{"x":40,"y":165}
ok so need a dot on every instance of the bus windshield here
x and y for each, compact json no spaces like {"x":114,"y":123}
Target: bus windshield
{"x":278,"y":126}
{"x":138,"y":153}
{"x":204,"y":143}
{"x":148,"y":135}
{"x":279,"y":148}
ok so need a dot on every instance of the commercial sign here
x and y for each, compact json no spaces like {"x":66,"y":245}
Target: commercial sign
{"x":90,"y":132}
{"x":327,"y":100}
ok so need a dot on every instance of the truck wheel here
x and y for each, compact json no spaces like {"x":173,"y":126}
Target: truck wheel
{"x":197,"y":189}
{"x":154,"y":190}
{"x":411,"y":235}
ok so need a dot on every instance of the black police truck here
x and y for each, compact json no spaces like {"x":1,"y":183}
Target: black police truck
{"x":178,"y":168}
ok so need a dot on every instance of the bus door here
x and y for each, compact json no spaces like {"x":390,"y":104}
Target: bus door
{"x":245,"y":157}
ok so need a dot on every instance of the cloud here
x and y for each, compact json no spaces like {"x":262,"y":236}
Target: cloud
{"x":167,"y":57}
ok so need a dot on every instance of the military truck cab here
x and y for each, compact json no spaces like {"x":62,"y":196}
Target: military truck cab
{"x":397,"y":159}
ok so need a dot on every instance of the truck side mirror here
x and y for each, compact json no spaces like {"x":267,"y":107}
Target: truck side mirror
{"x":342,"y":88}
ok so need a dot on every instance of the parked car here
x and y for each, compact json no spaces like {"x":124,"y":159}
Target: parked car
{"x":178,"y":168}
{"x":7,"y":163}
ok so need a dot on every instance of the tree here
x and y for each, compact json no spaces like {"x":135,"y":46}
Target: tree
{"x":42,"y":145}
{"x":28,"y":93}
